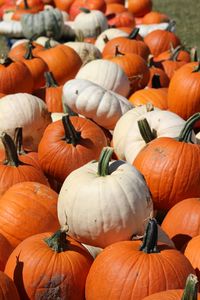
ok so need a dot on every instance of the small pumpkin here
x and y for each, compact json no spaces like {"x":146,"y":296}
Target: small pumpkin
{"x":154,"y":17}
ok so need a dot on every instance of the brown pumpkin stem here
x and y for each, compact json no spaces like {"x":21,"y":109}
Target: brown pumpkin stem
{"x":191,"y":288}
{"x":57,"y":242}
{"x":5,"y":60}
{"x":147,"y":134}
{"x":193,"y":54}
{"x":105,"y":39}
{"x":156,"y":81}
{"x":50,"y":80}
{"x":110,"y":16}
{"x":186,"y":132}
{"x":29,"y":53}
{"x":104,"y":159}
{"x":18,"y":140}
{"x":10,"y":151}
{"x":133,"y":33}
{"x":197,"y":68}
{"x":150,"y":240}
{"x":71,"y":135}
{"x":171,"y":25}
{"x":85,"y":10}
{"x":117,"y":52}
{"x":26,"y":6}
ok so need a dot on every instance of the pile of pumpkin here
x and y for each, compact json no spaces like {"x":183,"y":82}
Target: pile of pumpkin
{"x":99,"y":152}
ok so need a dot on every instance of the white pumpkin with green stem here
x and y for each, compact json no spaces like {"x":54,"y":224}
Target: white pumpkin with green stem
{"x":104,"y":202}
{"x":95,"y":102}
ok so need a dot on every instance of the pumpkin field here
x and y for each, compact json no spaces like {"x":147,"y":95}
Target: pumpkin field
{"x":99,"y":150}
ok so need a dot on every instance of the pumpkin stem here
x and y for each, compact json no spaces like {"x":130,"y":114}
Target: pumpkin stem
{"x":150,"y":239}
{"x":175,"y":53}
{"x":147,"y":134}
{"x":105,"y":39}
{"x":18,"y":140}
{"x":68,"y":110}
{"x":85,"y":10}
{"x":10,"y":151}
{"x":196,"y":68}
{"x":47,"y":44}
{"x":26,"y":6}
{"x":103,"y":163}
{"x":71,"y":135}
{"x":150,"y":62}
{"x":156,"y":81}
{"x":57,"y":242}
{"x":193,"y":54}
{"x":133,"y":33}
{"x":117,"y":52}
{"x":171,"y":26}
{"x":5,"y":60}
{"x":50,"y":80}
{"x":29,"y":53}
{"x":191,"y":288}
{"x":186,"y":132}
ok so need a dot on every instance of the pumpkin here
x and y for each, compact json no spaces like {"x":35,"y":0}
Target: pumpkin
{"x":17,"y":53}
{"x":169,"y":176}
{"x":145,"y":29}
{"x":73,"y":139}
{"x":157,"y":72}
{"x":113,"y":8}
{"x":112,"y":202}
{"x":8,"y":290}
{"x":154,"y":17}
{"x":95,"y":102}
{"x":63,"y":5}
{"x":139,"y":7}
{"x":185,"y":102}
{"x":89,"y":4}
{"x":179,"y":53}
{"x":123,"y":19}
{"x":182,"y":221}
{"x":32,"y":116}
{"x":5,"y":251}
{"x":98,"y":71}
{"x":126,"y":264}
{"x":35,"y":258}
{"x":11,"y":29}
{"x":190,"y":291}
{"x":192,"y":252}
{"x":27,"y":208}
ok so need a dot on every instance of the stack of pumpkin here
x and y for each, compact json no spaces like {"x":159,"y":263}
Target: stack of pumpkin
{"x":99,"y":144}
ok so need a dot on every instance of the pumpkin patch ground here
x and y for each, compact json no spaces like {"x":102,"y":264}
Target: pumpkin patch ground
{"x":99,"y":150}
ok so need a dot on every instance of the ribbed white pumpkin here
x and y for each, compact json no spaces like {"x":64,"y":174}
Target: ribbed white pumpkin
{"x":106,"y":203}
{"x":91,"y":23}
{"x":86,"y":51}
{"x":11,"y":29}
{"x":123,"y":127}
{"x":108,"y":34}
{"x":27,"y":111}
{"x":147,"y":28}
{"x":163,"y":122}
{"x":107,"y":74}
{"x":95,"y":102}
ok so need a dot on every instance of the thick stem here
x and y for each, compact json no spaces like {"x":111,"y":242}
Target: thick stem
{"x":26,"y":6}
{"x":29,"y":53}
{"x":10,"y":151}
{"x":156,"y":81}
{"x":191,"y":288}
{"x":186,"y":132}
{"x":18,"y":140}
{"x":50,"y":80}
{"x":57,"y":242}
{"x":68,"y":110}
{"x":47,"y":44}
{"x":147,"y":134}
{"x":103,"y":164}
{"x":133,"y":34}
{"x":71,"y":135}
{"x":150,"y":239}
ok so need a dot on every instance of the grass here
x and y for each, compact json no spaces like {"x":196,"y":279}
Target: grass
{"x":185,"y":13}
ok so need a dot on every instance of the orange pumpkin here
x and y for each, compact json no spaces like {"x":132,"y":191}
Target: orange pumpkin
{"x":179,"y":52}
{"x":8,"y":290}
{"x":63,"y":4}
{"x":122,"y":19}
{"x":90,"y":4}
{"x":164,"y":80}
{"x":154,"y":17}
{"x":17,"y":53}
{"x":140,"y":7}
{"x":192,"y":252}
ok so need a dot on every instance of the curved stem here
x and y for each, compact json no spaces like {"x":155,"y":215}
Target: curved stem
{"x":57,"y":242}
{"x":71,"y":135}
{"x":47,"y":44}
{"x":68,"y":110}
{"x":156,"y":81}
{"x":134,"y":33}
{"x":50,"y":80}
{"x":150,"y":239}
{"x":10,"y":151}
{"x":186,"y":132}
{"x":117,"y":52}
{"x":191,"y":288}
{"x":147,"y":134}
{"x":103,"y":164}
{"x":105,"y":39}
{"x":18,"y":140}
{"x":29,"y":53}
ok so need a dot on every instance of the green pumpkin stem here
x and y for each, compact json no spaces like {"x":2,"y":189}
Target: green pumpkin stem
{"x":196,"y":68}
{"x":29,"y":52}
{"x":186,"y":132}
{"x":85,"y":10}
{"x":18,"y":140}
{"x":10,"y":151}
{"x":156,"y":81}
{"x":150,"y":240}
{"x":47,"y":44}
{"x":191,"y":288}
{"x":104,"y":159}
{"x":170,"y":26}
{"x":71,"y":135}
{"x":50,"y":80}
{"x":57,"y":242}
{"x":134,"y":33}
{"x":147,"y":134}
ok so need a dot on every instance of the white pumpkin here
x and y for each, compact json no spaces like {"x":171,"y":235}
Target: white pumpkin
{"x":86,"y":51}
{"x":95,"y":102}
{"x":147,"y":28}
{"x":11,"y":29}
{"x":107,"y":74}
{"x":108,"y":34}
{"x":112,"y":202}
{"x":123,"y":127}
{"x":26,"y":111}
{"x":90,"y":22}
{"x":43,"y":39}
{"x":18,"y":42}
{"x":162,"y":122}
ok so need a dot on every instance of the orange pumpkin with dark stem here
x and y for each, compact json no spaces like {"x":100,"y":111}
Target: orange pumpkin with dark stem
{"x":120,"y":269}
{"x":17,"y":53}
{"x":25,"y":8}
{"x":181,"y":55}
{"x":192,"y":252}
{"x":182,"y":221}
{"x":49,"y":266}
{"x":140,"y":7}
{"x":73,"y":139}
{"x":8,"y":290}
{"x":169,"y":175}
{"x":27,"y":208}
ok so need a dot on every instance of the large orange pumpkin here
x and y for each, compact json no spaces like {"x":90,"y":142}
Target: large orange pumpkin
{"x":140,"y":7}
{"x":49,"y":266}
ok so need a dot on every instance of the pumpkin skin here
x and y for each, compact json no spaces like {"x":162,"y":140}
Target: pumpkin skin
{"x":164,"y":80}
{"x":154,"y":17}
{"x":123,"y":19}
{"x":168,"y":174}
{"x":55,"y":153}
{"x":17,"y":52}
{"x":168,"y":295}
{"x":62,"y":274}
{"x":8,"y":290}
{"x":90,"y":4}
{"x":5,"y":251}
{"x":185,"y":102}
{"x":193,"y":254}
{"x":182,"y":221}
{"x":140,"y":7}
{"x":26,"y":204}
